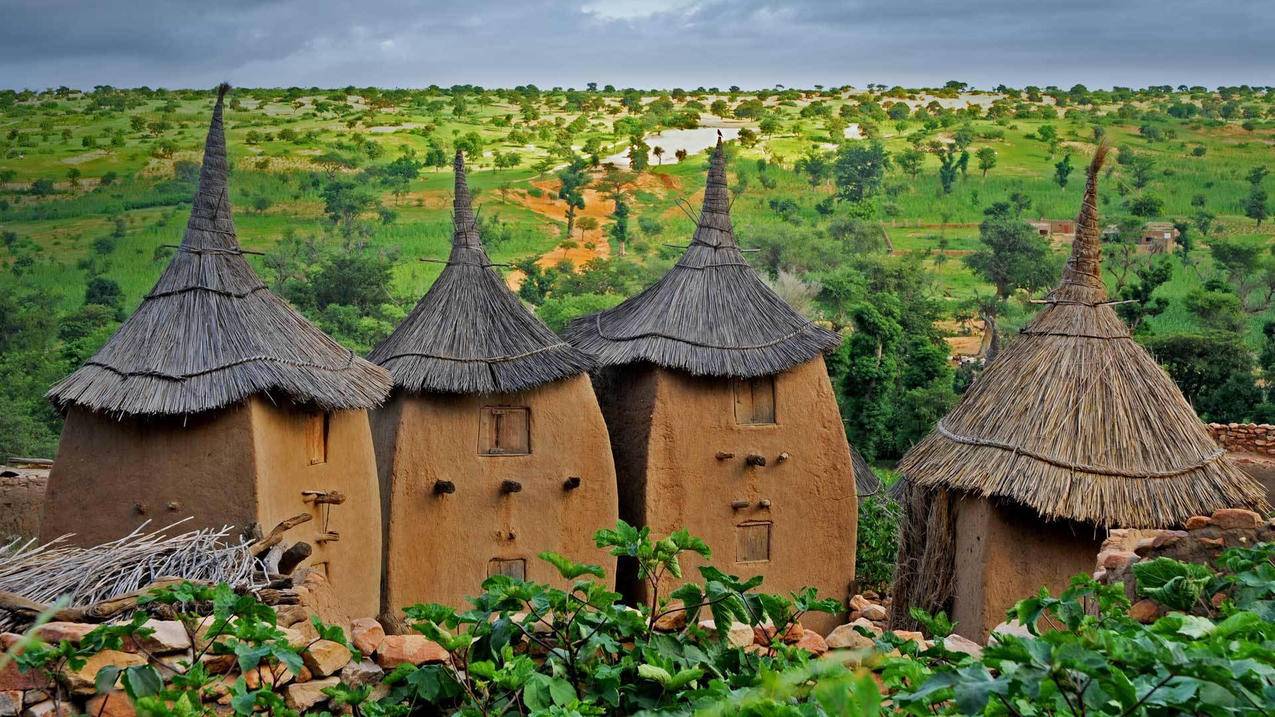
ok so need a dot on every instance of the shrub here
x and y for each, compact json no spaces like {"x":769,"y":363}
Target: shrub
{"x":878,"y":542}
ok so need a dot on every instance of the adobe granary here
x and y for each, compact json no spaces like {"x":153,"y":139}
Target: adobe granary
{"x":492,"y":448}
{"x":216,"y":399}
{"x":722,"y":416}
{"x":1071,"y":430}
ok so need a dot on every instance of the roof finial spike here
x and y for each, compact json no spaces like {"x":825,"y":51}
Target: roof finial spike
{"x":1083,"y":273}
{"x":211,"y":225}
{"x":464,"y":223}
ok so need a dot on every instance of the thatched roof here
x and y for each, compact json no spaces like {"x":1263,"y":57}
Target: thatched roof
{"x":866,"y":481}
{"x":469,"y":333}
{"x":1078,"y":421}
{"x":711,"y":314}
{"x":210,"y":333}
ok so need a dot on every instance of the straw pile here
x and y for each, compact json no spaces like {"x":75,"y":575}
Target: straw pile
{"x":210,"y":333}
{"x":47,"y":572}
{"x":710,"y":315}
{"x":469,"y":334}
{"x":1078,"y":421}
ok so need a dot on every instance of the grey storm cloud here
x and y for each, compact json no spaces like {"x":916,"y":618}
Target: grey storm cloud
{"x":644,"y":43}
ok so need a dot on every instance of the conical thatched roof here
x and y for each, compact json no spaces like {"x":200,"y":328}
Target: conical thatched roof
{"x":1078,"y":421}
{"x":469,"y":333}
{"x":210,"y":333}
{"x":711,"y":314}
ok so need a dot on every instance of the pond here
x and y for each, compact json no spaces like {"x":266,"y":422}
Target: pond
{"x":693,"y":141}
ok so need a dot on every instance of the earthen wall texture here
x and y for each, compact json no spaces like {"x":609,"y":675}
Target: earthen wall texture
{"x":805,"y":492}
{"x":1005,"y":553}
{"x":439,"y":546}
{"x":242,"y":465}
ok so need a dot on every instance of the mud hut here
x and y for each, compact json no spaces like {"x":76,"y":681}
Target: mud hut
{"x":722,"y":416}
{"x":1071,"y":430}
{"x":492,"y":448}
{"x":217,"y":400}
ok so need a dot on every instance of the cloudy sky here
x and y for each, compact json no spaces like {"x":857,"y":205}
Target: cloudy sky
{"x":642,"y":43}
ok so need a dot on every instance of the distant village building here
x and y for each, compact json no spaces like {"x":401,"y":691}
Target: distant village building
{"x":723,"y":419}
{"x":1049,"y":228}
{"x":1071,"y":430}
{"x":1152,"y":238}
{"x":217,"y":400}
{"x":492,"y":448}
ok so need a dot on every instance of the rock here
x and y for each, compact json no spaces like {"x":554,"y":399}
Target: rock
{"x":876,"y":613}
{"x":112,"y":704}
{"x":738,"y":634}
{"x":289,"y":615}
{"x":811,"y":642}
{"x":49,"y":708}
{"x":83,"y":680}
{"x":366,"y":634}
{"x":871,"y":595}
{"x":10,"y":703}
{"x":846,"y":637}
{"x":854,"y":615}
{"x":1236,"y":518}
{"x":765,"y":634}
{"x":1117,"y":559}
{"x":917,"y":637}
{"x":276,"y":675}
{"x":55,"y":632}
{"x":302,"y":696}
{"x":1012,"y":627}
{"x":1144,"y":611}
{"x":397,"y":650}
{"x":296,"y":639}
{"x":168,"y":637}
{"x":325,"y":658}
{"x":1196,"y":522}
{"x":867,"y":625}
{"x":218,"y":664}
{"x":671,"y":621}
{"x":364,"y":672}
{"x":1213,"y":542}
{"x":308,"y":632}
{"x":13,"y":678}
{"x":858,"y":602}
{"x":31,"y":697}
{"x":957,"y":643}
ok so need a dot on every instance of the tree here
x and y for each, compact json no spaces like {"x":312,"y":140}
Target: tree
{"x":910,"y":161}
{"x":574,"y":179}
{"x":747,"y":137}
{"x":1214,"y":369}
{"x":619,"y":229}
{"x":1012,"y":256}
{"x":639,"y":153}
{"x":858,"y":170}
{"x":1140,"y":303}
{"x":1062,"y":170}
{"x":986,"y":159}
{"x":815,"y":165}
{"x":1255,"y":204}
{"x":1249,"y":267}
{"x":948,"y":167}
{"x":659,"y":154}
{"x":104,"y":292}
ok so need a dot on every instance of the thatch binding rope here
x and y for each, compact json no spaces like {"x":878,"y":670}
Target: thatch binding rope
{"x":469,"y":334}
{"x":210,"y":334}
{"x":1077,"y":421}
{"x":710,"y":315}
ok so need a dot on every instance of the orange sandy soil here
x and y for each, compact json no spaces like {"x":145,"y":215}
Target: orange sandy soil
{"x":962,"y":345}
{"x":594,"y":245}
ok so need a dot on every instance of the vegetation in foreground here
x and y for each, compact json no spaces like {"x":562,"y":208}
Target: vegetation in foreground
{"x":530,"y":649}
{"x":912,"y":231}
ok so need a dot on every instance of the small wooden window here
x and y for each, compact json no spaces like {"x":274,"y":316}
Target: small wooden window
{"x":755,"y":400}
{"x":316,"y":437}
{"x":504,"y":431}
{"x":752,"y":542}
{"x":515,"y":568}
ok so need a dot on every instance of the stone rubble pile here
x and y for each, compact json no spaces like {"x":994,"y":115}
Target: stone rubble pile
{"x":173,"y":647}
{"x":1204,"y":538}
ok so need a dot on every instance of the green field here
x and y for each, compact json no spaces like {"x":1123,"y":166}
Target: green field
{"x":97,"y":185}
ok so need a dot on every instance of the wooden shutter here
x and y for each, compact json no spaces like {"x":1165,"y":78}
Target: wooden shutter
{"x":752,"y":542}
{"x":515,"y":568}
{"x":755,"y":400}
{"x":316,"y":437}
{"x":504,"y":431}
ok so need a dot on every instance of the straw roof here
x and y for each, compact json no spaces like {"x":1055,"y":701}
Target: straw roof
{"x":1078,"y":421}
{"x":710,"y":315}
{"x":210,"y":333}
{"x":469,"y":333}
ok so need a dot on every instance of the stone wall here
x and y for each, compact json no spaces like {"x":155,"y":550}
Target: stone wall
{"x":1256,"y":438}
{"x":21,"y":500}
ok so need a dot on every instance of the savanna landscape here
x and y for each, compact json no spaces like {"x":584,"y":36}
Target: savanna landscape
{"x":899,"y":216}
